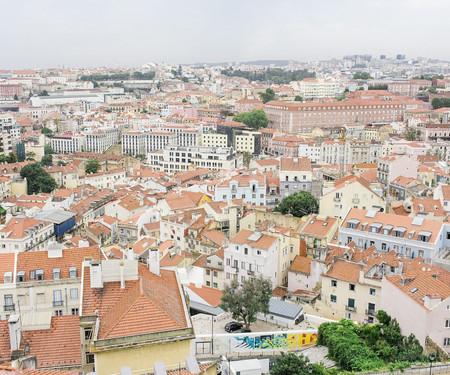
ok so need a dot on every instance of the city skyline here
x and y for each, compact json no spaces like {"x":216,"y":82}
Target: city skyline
{"x":52,"y":34}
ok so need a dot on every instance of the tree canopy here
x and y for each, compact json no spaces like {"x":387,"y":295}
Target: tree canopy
{"x":293,"y":364}
{"x":361,"y":75}
{"x":38,"y":179}
{"x":298,"y":204}
{"x":92,"y":166}
{"x":10,"y":158}
{"x":247,"y":158}
{"x":245,"y":301}
{"x":412,"y":133}
{"x":267,"y":95}
{"x":47,"y":132}
{"x":255,"y":119}
{"x":275,"y":75}
{"x":440,"y":103}
{"x":298,"y":98}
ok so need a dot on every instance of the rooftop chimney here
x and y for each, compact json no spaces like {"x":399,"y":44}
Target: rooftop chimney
{"x":14,"y":332}
{"x":96,"y":275}
{"x":122,"y":280}
{"x":54,"y":250}
{"x":153,"y":261}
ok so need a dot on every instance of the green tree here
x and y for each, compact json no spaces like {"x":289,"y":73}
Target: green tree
{"x":440,"y":103}
{"x":362,"y":75}
{"x":291,"y":364}
{"x":43,"y":93}
{"x":48,"y":150}
{"x":16,"y":97}
{"x":61,"y":163}
{"x":92,"y":166}
{"x":298,"y":204}
{"x":47,"y":132}
{"x":38,"y":179}
{"x":247,"y":158}
{"x":298,"y":98}
{"x":267,"y":96}
{"x":412,"y":133}
{"x":30,"y":155}
{"x":246,"y":301}
{"x":47,"y":160}
{"x":12,"y":158}
{"x":255,"y":119}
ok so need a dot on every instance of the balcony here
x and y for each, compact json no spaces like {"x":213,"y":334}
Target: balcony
{"x":355,"y":200}
{"x":11,"y":307}
{"x":250,"y":273}
{"x":57,"y":303}
{"x":350,"y":308}
{"x":371,"y":312}
{"x":337,"y":199}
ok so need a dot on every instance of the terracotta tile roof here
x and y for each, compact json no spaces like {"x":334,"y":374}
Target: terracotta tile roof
{"x":177,"y":202}
{"x":143,"y":245}
{"x":446,"y":192}
{"x":39,"y":260}
{"x":58,"y":346}
{"x":401,"y":221}
{"x":244,"y":180}
{"x":210,"y":295}
{"x":6,"y":265}
{"x":150,"y":304}
{"x":267,"y":162}
{"x":419,"y":284}
{"x":301,"y":264}
{"x":429,"y":206}
{"x":214,"y":236}
{"x":17,"y":227}
{"x":5,"y":348}
{"x":346,"y":271}
{"x":400,"y":210}
{"x":317,"y":227}
{"x":279,"y":292}
{"x":295,"y":164}
{"x":264,"y":242}
{"x":403,"y":181}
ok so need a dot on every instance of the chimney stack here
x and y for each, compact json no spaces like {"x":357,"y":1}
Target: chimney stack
{"x":153,"y":261}
{"x":14,"y":332}
{"x":122,"y":280}
{"x":96,"y":275}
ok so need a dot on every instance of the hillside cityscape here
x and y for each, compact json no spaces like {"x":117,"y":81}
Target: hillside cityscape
{"x":240,"y":218}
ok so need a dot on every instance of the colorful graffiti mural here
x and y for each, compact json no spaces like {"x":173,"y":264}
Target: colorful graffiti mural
{"x":260,"y":341}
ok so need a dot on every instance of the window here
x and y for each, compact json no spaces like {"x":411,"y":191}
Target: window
{"x":20,"y":276}
{"x":383,"y":246}
{"x":333,"y":283}
{"x":57,"y":298}
{"x":89,"y":358}
{"x":9,"y":305}
{"x":372,"y":291}
{"x":215,"y":285}
{"x":351,"y":304}
{"x":242,"y":279}
{"x":75,"y":311}
{"x":208,"y":272}
{"x":351,"y":287}
{"x":447,"y":341}
{"x":58,"y":312}
{"x":243,"y":265}
{"x":215,"y":273}
{"x":228,"y":276}
{"x":74,"y":293}
{"x":333,"y":298}
{"x":73,"y":272}
{"x":208,"y":283}
{"x":88,"y":331}
{"x":32,"y":274}
{"x":228,"y":261}
{"x":56,"y":273}
{"x":447,"y":323}
{"x":245,"y":251}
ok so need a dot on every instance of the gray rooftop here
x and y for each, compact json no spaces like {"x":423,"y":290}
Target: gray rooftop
{"x":55,"y":216}
{"x":284,"y":309}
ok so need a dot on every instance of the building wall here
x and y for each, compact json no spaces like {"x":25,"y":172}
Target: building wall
{"x":142,"y":359}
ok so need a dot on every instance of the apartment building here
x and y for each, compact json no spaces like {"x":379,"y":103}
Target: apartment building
{"x":408,"y":88}
{"x":304,"y":117}
{"x":312,"y":88}
{"x":133,"y":315}
{"x":214,"y":140}
{"x":134,"y":143}
{"x":47,"y":281}
{"x":5,"y":143}
{"x":410,"y":236}
{"x":68,"y":143}
{"x":295,"y":175}
{"x":349,"y":192}
{"x":250,"y":187}
{"x":212,"y":268}
{"x":25,"y":234}
{"x":177,"y":158}
{"x":158,"y":140}
{"x":392,"y":166}
{"x":100,"y":140}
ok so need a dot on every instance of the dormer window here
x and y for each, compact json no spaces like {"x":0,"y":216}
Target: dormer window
{"x":73,"y":272}
{"x":21,"y":276}
{"x":33,"y":275}
{"x":39,"y":275}
{"x":424,"y":236}
{"x":56,"y":273}
{"x":375,"y":227}
{"x":353,"y":223}
{"x":7,"y":277}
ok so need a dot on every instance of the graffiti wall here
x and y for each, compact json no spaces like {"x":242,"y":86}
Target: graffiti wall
{"x":243,"y":342}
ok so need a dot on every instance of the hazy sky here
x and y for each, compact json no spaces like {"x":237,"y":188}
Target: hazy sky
{"x":83,"y":33}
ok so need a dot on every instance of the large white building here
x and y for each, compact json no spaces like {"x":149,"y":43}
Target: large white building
{"x":310,"y":88}
{"x":100,"y":140}
{"x":69,"y":143}
{"x":250,"y":187}
{"x":177,"y":158}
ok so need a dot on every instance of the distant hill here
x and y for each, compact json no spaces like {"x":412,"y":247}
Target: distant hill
{"x":255,"y":62}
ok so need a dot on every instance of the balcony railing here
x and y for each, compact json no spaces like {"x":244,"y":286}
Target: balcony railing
{"x":57,"y":303}
{"x":371,"y":312}
{"x":350,"y":308}
{"x":11,"y":307}
{"x":355,"y":200}
{"x":337,"y":199}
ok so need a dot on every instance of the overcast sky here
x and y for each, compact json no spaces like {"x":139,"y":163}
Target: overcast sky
{"x":86,"y":33}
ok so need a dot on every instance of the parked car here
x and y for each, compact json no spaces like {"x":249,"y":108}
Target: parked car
{"x":233,"y":326}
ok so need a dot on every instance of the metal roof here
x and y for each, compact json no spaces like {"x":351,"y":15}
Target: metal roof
{"x":57,"y":216}
{"x":205,"y":308}
{"x":285,"y":309}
